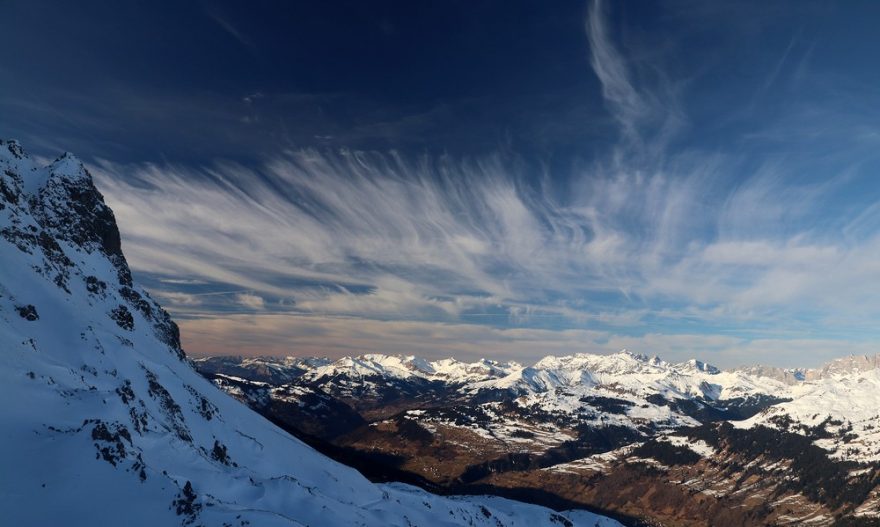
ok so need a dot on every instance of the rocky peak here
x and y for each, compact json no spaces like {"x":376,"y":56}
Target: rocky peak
{"x":849,"y":365}
{"x":788,"y":376}
{"x":69,"y":204}
{"x":61,"y":197}
{"x":13,"y":148}
{"x":56,"y":215}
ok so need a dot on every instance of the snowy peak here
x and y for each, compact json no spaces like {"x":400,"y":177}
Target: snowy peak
{"x":34,"y":177}
{"x":839,"y":410}
{"x":619,"y":363}
{"x":695,"y":365}
{"x":363,"y":367}
{"x":625,"y":372}
{"x":549,"y":372}
{"x":75,"y":210}
{"x":376,"y":374}
{"x":260,"y":369}
{"x":404,"y":367}
{"x":61,"y":197}
{"x":789,"y":376}
{"x":848,"y":366}
{"x":13,"y":148}
{"x":845,"y":366}
{"x":58,"y":221}
{"x":624,"y":369}
{"x":482,"y":369}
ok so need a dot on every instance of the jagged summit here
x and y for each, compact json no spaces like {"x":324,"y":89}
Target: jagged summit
{"x":697,"y":365}
{"x":32,"y":175}
{"x":848,"y":365}
{"x":57,"y":217}
{"x":457,"y":371}
{"x":13,"y":147}
{"x":620,"y":363}
{"x":104,"y":421}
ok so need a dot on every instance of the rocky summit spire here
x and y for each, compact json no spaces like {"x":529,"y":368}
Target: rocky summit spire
{"x":56,"y":215}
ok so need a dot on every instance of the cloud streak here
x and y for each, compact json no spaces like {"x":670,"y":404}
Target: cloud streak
{"x":627,"y":105}
{"x":648,"y":113}
{"x":717,"y":254}
{"x":380,"y":238}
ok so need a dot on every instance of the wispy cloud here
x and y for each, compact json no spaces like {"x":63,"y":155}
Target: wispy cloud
{"x":627,"y":105}
{"x":227,"y":26}
{"x":648,"y":113}
{"x":250,"y":301}
{"x":381,"y":238}
{"x":681,"y":252}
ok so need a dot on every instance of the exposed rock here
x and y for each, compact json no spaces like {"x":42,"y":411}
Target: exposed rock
{"x":28,"y":312}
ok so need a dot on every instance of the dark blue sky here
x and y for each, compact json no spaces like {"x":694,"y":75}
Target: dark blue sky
{"x":504,"y":178}
{"x":139,"y":81}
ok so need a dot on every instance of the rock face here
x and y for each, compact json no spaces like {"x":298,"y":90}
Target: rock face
{"x":106,"y":422}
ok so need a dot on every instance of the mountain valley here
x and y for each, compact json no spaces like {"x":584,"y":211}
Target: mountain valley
{"x":675,"y":444}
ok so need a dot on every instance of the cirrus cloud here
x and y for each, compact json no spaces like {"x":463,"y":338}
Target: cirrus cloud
{"x":678,"y":251}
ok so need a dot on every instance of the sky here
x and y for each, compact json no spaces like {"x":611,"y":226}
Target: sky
{"x":476,"y":179}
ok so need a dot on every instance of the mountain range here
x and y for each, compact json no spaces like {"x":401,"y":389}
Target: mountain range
{"x":648,"y":440}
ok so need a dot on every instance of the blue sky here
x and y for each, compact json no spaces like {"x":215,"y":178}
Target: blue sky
{"x":508,"y":179}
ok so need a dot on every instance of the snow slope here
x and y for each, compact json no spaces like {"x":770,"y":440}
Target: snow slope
{"x":106,"y":423}
{"x":841,"y":411}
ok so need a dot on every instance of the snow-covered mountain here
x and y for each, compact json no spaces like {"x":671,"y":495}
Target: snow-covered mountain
{"x":624,"y":389}
{"x":105,"y":422}
{"x":450,"y":370}
{"x":624,"y":369}
{"x":840,"y":411}
{"x":549,"y":373}
{"x":667,"y":442}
